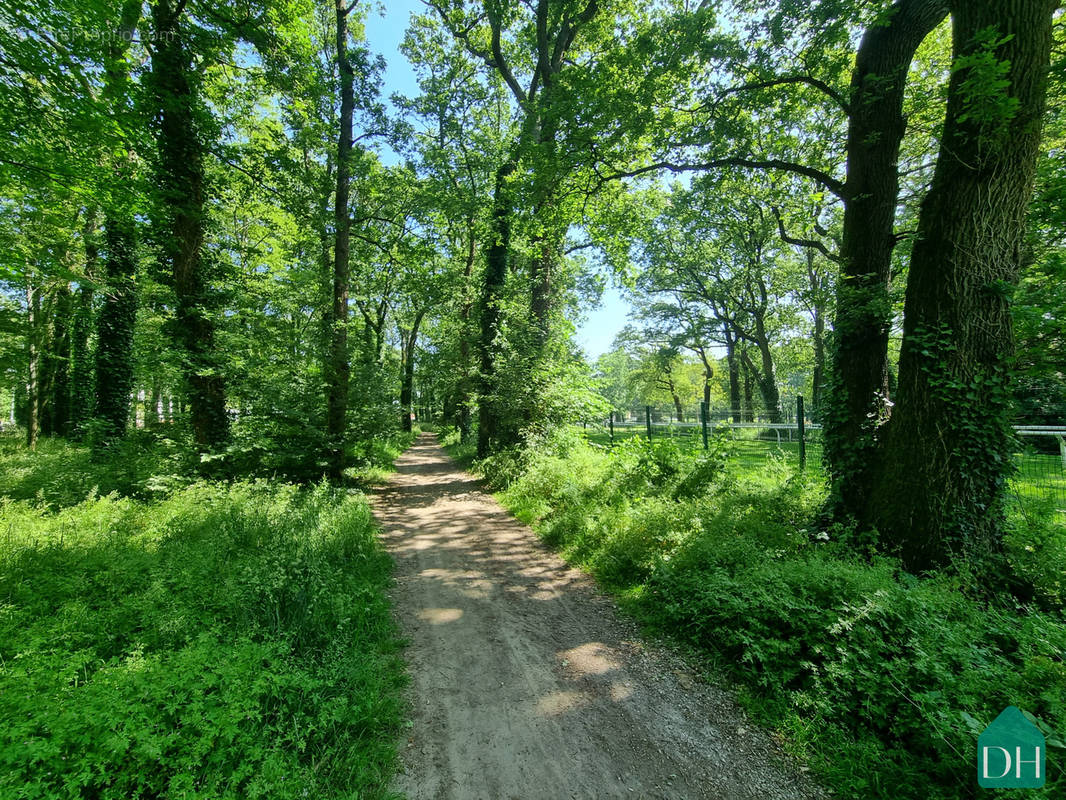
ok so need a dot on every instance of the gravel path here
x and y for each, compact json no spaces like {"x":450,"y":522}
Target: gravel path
{"x":525,"y":683}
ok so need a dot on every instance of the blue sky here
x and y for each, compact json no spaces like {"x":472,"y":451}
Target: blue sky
{"x":384,"y":32}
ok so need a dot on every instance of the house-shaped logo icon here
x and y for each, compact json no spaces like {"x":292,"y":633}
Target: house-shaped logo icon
{"x":1011,"y":753}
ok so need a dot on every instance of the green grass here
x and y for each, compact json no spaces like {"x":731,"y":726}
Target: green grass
{"x":878,"y":680}
{"x":1038,"y":488}
{"x":206,"y":641}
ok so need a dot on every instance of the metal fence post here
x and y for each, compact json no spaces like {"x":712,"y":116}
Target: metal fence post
{"x":800,"y":430}
{"x":703,"y":421}
{"x":612,"y":428}
{"x":647,"y":420}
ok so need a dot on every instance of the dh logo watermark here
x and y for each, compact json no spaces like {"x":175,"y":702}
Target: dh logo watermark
{"x":1011,"y":753}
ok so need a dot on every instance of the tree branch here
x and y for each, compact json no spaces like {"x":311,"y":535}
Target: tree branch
{"x":834,"y":186}
{"x":814,"y":244}
{"x":788,"y":80}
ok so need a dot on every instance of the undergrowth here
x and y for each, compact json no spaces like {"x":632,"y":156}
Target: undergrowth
{"x":879,"y":680}
{"x":202,"y":641}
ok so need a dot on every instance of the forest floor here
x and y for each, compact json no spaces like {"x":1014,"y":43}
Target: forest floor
{"x":526,"y":683}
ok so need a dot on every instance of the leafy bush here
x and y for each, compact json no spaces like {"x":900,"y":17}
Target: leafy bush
{"x":225,"y":642}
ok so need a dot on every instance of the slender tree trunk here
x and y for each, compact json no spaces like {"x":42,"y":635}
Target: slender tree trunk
{"x":182,"y":189}
{"x":495,"y":277}
{"x":407,"y":382}
{"x":154,"y":417}
{"x":338,"y":369}
{"x":733,"y":362}
{"x":83,"y":387}
{"x":115,"y":328}
{"x":33,"y":387}
{"x":818,"y":379}
{"x":859,"y":391}
{"x":948,"y":448}
{"x":817,"y":306}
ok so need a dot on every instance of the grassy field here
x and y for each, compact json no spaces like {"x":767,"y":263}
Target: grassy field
{"x":1038,"y":488}
{"x":879,"y":681}
{"x":189,"y":641}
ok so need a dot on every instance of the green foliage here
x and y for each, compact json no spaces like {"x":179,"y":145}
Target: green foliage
{"x":225,"y":642}
{"x":876,"y":678}
{"x":984,"y":87}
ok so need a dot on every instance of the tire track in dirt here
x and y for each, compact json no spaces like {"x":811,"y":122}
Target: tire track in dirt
{"x":526,"y":684}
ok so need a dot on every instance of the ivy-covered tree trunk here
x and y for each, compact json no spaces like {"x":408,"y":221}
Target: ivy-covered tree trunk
{"x":948,"y":448}
{"x":83,"y":386}
{"x":338,"y":370}
{"x":182,"y":206}
{"x":46,"y":371}
{"x":858,"y":394}
{"x":61,"y":325}
{"x":767,"y":376}
{"x":466,"y":379}
{"x":748,"y":370}
{"x":115,"y":328}
{"x":495,"y":278}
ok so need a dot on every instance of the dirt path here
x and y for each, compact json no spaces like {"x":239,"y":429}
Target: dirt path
{"x":524,"y":681}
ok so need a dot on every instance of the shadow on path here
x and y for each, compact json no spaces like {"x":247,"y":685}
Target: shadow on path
{"x":525,"y":683}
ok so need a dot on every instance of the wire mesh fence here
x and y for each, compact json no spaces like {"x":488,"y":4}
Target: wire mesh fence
{"x":1037,"y":487}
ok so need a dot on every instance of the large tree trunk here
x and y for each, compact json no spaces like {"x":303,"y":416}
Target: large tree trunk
{"x":495,"y":276}
{"x":338,"y":369}
{"x":858,"y":397}
{"x":182,"y":187}
{"x":47,"y":369}
{"x":466,"y":381}
{"x":767,"y":378}
{"x":115,"y":328}
{"x":947,"y":449}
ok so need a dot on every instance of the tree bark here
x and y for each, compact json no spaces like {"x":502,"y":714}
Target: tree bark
{"x":733,"y":363}
{"x":182,"y":189}
{"x":338,"y":370}
{"x":83,"y":388}
{"x":748,"y":411}
{"x":466,"y":379}
{"x":61,"y":325}
{"x":115,"y":329}
{"x":948,"y":448}
{"x":858,"y":396}
{"x":496,"y":265}
{"x":33,"y":386}
{"x":407,"y":380}
{"x":767,"y":377}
